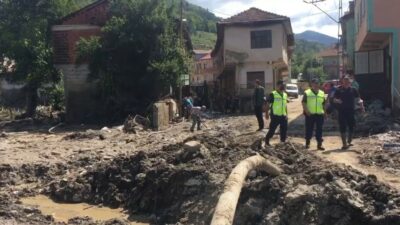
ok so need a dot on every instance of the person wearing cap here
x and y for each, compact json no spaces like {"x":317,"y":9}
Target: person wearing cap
{"x":277,"y":107}
{"x":314,"y":110}
{"x":345,"y":98}
{"x":259,"y":104}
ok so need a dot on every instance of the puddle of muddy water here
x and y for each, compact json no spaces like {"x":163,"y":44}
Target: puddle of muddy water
{"x":63,"y":212}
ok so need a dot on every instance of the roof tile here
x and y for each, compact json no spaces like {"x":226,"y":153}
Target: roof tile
{"x":253,"y":15}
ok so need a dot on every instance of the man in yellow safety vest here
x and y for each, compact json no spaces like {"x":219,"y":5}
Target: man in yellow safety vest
{"x":314,"y":110}
{"x":277,"y":104}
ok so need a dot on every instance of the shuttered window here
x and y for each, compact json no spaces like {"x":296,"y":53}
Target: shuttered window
{"x":261,"y":39}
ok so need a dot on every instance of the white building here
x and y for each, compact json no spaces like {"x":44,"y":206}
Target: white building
{"x":252,"y":45}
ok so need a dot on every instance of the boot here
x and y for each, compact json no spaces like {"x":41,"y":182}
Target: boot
{"x":267,"y":142}
{"x":350,"y":139}
{"x":345,"y":146}
{"x":320,"y":147}
{"x":307,"y":144}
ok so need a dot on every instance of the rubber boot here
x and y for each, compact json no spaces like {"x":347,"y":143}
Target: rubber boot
{"x":344,"y":141}
{"x":307,"y":144}
{"x":320,"y":147}
{"x":267,"y":142}
{"x":350,"y":138}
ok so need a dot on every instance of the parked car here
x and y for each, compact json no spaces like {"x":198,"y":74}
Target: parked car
{"x":292,"y":90}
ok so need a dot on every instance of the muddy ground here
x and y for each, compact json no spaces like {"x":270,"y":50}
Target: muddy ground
{"x":151,"y":173}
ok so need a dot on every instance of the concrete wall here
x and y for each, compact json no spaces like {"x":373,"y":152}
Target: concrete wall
{"x":161,"y":111}
{"x":237,"y":45}
{"x":242,"y":70}
{"x":12,"y":95}
{"x":350,"y":45}
{"x":80,"y":92}
{"x":386,"y":13}
{"x":361,"y":22}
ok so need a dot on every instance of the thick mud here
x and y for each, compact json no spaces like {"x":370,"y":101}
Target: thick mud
{"x":178,"y":185}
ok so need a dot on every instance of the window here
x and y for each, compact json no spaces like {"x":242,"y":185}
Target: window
{"x":261,"y":39}
{"x":376,"y":61}
{"x":361,"y":62}
{"x":253,"y":76}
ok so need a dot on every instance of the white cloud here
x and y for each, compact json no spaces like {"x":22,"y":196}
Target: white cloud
{"x":304,"y":16}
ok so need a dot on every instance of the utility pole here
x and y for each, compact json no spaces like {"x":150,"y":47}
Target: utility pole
{"x":181,"y":45}
{"x":340,"y":51}
{"x":181,"y":24}
{"x":314,"y":3}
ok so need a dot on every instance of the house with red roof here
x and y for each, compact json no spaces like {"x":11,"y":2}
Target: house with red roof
{"x":252,"y":45}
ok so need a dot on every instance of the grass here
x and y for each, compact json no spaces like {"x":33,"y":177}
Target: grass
{"x":203,"y":40}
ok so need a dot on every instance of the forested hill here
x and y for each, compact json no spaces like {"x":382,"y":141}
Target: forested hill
{"x":202,"y":23}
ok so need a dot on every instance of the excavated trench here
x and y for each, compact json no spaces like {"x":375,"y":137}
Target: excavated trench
{"x":177,"y":186}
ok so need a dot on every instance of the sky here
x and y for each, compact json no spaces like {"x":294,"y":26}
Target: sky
{"x":303,"y":16}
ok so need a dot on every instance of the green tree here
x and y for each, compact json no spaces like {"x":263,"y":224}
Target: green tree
{"x":139,"y":54}
{"x":25,"y":28}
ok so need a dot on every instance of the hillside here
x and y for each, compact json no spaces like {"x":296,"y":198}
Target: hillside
{"x":305,"y":61}
{"x":200,"y":19}
{"x":313,"y":36}
{"x":203,"y":40}
{"x":202,"y":25}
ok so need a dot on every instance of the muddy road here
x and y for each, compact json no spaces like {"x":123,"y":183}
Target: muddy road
{"x":152,"y":178}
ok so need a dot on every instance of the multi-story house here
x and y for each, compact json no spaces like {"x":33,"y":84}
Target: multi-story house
{"x":348,"y":38}
{"x":331,"y":63}
{"x":252,"y":45}
{"x":377,"y":50}
{"x":203,"y":71}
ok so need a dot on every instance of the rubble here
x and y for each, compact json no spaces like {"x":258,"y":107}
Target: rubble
{"x":180,"y":182}
{"x":158,"y":183}
{"x":375,"y":120}
{"x":385,"y":154}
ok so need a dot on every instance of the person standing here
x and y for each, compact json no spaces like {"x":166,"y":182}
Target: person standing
{"x":314,"y":110}
{"x":345,"y":98}
{"x":277,"y":104}
{"x":259,"y":104}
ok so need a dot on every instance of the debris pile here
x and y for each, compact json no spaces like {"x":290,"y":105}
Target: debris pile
{"x":182,"y":183}
{"x":133,"y":124}
{"x":315,"y":192}
{"x":375,"y":120}
{"x":386,"y":155}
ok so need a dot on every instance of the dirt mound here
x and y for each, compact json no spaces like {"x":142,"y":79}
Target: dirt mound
{"x":158,"y":182}
{"x":161,"y":184}
{"x":315,"y":192}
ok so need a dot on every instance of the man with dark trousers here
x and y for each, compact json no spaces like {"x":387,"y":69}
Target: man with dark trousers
{"x":277,"y":104}
{"x":314,"y":110}
{"x":345,"y":99}
{"x":259,"y":104}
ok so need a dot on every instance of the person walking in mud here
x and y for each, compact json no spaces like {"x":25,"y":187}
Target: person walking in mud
{"x":277,"y":105}
{"x":259,"y":104}
{"x":314,"y":111}
{"x":196,"y":113}
{"x":345,"y":99}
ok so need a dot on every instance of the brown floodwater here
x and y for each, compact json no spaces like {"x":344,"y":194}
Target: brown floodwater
{"x":63,"y":212}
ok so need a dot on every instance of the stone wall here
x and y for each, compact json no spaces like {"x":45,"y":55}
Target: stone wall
{"x":160,"y":115}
